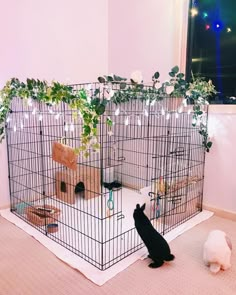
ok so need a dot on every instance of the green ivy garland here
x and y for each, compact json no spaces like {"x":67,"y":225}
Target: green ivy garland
{"x":91,"y":108}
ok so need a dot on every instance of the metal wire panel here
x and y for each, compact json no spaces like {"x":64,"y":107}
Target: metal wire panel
{"x":147,"y":148}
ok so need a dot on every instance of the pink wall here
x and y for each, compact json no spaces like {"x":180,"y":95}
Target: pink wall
{"x":63,"y":40}
{"x":146,"y":36}
{"x":220,"y":183}
{"x":4,"y":187}
{"x":51,"y":39}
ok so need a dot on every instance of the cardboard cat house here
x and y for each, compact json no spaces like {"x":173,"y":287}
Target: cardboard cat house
{"x":84,"y":182}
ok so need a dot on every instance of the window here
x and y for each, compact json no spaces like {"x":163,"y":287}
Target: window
{"x":211,"y":45}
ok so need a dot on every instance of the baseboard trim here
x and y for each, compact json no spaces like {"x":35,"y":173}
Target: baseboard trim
{"x":221,"y":213}
{"x":4,"y":207}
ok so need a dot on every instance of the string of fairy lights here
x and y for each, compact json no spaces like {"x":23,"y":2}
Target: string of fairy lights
{"x":211,"y":22}
{"x":128,"y":118}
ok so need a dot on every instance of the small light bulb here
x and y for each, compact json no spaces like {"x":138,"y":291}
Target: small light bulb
{"x":50,"y":111}
{"x":66,"y":128}
{"x":163,"y":112}
{"x":26,"y":116}
{"x":117,"y":112}
{"x":127,"y":121}
{"x":139,"y":122}
{"x":153,"y":103}
{"x":29,"y":102}
{"x":185,"y":102}
{"x":168,"y":116}
{"x":189,"y":112}
{"x":14,"y":128}
{"x":88,"y":87}
{"x":147,"y":102}
{"x":228,"y":30}
{"x":194,"y":12}
{"x":89,"y":99}
{"x":180,"y":110}
{"x":34,"y":111}
{"x":8,"y":119}
{"x":21,"y":125}
{"x":57,"y":116}
{"x":146,"y":113}
{"x":40,"y":117}
{"x":111,"y":93}
{"x":176,"y":115}
{"x":194,"y":121}
{"x":72,"y":127}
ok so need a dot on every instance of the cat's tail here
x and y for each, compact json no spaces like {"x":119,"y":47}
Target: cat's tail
{"x":170,"y":257}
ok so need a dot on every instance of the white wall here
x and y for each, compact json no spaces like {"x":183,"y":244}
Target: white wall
{"x":51,"y":39}
{"x":4,"y":186}
{"x":68,"y":41}
{"x":60,"y":39}
{"x":147,"y":35}
{"x":151,"y":35}
{"x":220,"y":183}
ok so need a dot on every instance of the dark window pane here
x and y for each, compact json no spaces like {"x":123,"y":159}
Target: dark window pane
{"x":212,"y":46}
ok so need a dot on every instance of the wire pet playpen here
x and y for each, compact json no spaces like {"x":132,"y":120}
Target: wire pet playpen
{"x":151,"y":154}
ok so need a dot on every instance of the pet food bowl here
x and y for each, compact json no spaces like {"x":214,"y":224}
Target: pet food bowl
{"x":52,"y":228}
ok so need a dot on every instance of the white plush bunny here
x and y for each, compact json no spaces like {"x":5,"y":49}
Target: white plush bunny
{"x":217,"y":251}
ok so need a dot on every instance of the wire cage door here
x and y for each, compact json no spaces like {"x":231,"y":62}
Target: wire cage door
{"x":177,"y":175}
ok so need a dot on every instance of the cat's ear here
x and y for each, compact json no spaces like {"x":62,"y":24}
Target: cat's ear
{"x":143,"y":207}
{"x":137,"y":206}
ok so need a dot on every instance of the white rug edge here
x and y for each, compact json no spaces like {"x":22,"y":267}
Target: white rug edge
{"x":92,"y":273}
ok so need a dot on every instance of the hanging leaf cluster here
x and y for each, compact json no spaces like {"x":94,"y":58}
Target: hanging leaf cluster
{"x":118,"y":90}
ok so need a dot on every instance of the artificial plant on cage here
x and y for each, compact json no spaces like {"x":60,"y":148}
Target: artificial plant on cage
{"x":90,"y":106}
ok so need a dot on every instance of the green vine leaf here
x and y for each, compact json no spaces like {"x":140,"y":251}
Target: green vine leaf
{"x":91,"y":108}
{"x":101,"y":80}
{"x":156,"y":75}
{"x":175,"y":69}
{"x":109,"y":122}
{"x":209,"y":144}
{"x":123,"y":85}
{"x":87,"y":130}
{"x":109,"y":78}
{"x":180,"y":76}
{"x":96,"y":146}
{"x":100,"y":109}
{"x":118,"y":78}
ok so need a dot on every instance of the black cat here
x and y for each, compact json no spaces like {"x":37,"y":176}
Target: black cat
{"x":158,"y":248}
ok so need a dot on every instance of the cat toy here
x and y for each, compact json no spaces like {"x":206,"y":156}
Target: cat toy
{"x":110,"y":203}
{"x":156,"y":206}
